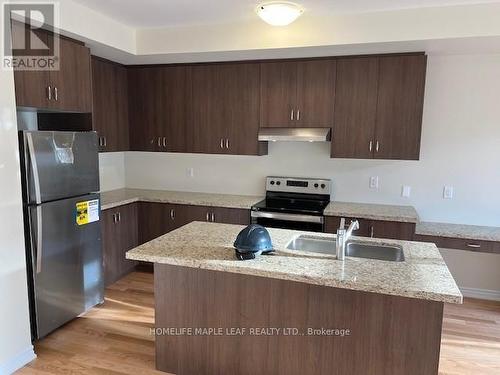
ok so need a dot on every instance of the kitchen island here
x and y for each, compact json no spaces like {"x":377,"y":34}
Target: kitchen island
{"x":293,"y":312}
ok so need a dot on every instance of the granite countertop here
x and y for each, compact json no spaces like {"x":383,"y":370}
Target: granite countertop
{"x":471,"y":232}
{"x":406,"y":214}
{"x":115,"y":198}
{"x":423,"y":274}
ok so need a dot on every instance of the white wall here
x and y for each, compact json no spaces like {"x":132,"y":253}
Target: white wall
{"x":476,"y":273}
{"x":460,"y":147}
{"x":15,"y":341}
{"x":317,"y":28}
{"x":111,"y":170}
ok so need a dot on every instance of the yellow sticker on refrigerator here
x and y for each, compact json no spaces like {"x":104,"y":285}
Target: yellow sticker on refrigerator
{"x":87,"y":212}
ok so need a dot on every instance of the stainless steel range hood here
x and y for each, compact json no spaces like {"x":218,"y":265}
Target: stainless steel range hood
{"x":295,"y":134}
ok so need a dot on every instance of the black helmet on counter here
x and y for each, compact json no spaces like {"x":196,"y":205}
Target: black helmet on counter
{"x":252,"y":241}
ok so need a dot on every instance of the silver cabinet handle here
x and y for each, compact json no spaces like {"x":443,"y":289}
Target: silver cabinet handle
{"x":221,"y":143}
{"x":172,"y":214}
{"x":298,"y":114}
{"x":100,"y":141}
{"x":376,"y":146}
{"x":474,"y":245}
{"x":371,"y":231}
{"x":291,"y":115}
{"x":159,"y":142}
{"x":164,"y":141}
{"x":114,"y":218}
{"x":213,"y":217}
{"x":105,"y":142}
{"x":49,"y":93}
{"x":119,"y":217}
{"x":208,"y":216}
{"x":56,"y":96}
{"x":227,"y":142}
{"x":371,"y":146}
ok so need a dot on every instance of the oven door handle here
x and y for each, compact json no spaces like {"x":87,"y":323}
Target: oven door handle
{"x":288,"y":217}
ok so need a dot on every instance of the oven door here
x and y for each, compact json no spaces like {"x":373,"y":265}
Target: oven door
{"x":301,"y":222}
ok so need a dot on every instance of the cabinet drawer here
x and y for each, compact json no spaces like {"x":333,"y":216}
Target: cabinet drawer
{"x":461,"y":244}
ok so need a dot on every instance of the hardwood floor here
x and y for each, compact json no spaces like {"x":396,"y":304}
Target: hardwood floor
{"x":115,"y":338}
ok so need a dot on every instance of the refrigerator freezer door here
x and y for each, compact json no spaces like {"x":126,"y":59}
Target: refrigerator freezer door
{"x":67,"y":260}
{"x":60,"y":164}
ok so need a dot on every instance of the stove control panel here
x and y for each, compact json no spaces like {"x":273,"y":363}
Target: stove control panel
{"x":299,"y":185}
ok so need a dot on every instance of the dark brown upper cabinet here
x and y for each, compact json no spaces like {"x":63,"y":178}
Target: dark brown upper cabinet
{"x":71,"y":84}
{"x":378,"y":107}
{"x":400,"y":106}
{"x":224,"y":111}
{"x":67,"y":89}
{"x":158,"y":101}
{"x":110,"y":105}
{"x":298,"y":93}
{"x":355,"y":108}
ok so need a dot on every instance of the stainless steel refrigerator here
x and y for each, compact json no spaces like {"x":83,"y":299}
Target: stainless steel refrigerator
{"x":63,"y":237}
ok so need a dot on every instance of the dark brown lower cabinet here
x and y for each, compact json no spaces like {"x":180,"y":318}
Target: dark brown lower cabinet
{"x":388,"y":335}
{"x":479,"y":246}
{"x":119,"y":234}
{"x":156,"y":219}
{"x":375,"y":228}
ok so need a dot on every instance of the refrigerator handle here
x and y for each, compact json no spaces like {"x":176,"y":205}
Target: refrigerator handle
{"x":39,"y":240}
{"x":34,"y":167}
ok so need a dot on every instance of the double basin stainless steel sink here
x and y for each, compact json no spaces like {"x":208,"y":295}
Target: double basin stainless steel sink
{"x":354,"y":248}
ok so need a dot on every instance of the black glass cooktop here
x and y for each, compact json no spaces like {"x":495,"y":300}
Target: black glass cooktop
{"x":292,"y":205}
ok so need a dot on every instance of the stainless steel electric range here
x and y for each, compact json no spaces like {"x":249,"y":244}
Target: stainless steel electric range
{"x":293,"y":203}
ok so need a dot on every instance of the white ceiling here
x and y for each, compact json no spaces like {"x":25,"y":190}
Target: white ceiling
{"x":164,"y":13}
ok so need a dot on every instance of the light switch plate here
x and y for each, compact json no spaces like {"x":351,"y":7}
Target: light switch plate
{"x":190,"y":172}
{"x":374,"y":182}
{"x":406,"y":191}
{"x":448,"y":192}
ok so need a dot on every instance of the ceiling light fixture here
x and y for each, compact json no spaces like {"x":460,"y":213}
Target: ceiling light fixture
{"x":279,"y":13}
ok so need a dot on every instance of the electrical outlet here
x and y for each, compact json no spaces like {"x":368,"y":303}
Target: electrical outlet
{"x":190,"y":172}
{"x":448,"y":192}
{"x":374,"y":182}
{"x":406,"y":191}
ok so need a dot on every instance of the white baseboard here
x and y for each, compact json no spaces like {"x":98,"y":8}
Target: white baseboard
{"x":492,"y":295}
{"x":18,"y":361}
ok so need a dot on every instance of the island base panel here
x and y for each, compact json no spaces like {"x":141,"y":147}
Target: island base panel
{"x":389,"y":335}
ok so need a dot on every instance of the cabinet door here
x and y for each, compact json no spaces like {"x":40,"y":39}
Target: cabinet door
{"x":315,"y":93}
{"x":110,"y":105}
{"x":128,"y":237}
{"x":230,"y":215}
{"x":154,"y":220}
{"x":144,"y":108}
{"x":119,"y":234}
{"x":122,"y":111}
{"x":72,"y":82}
{"x":400,"y":106}
{"x":174,"y":96}
{"x":206,"y":130}
{"x":31,"y":86}
{"x":186,"y":214}
{"x":278,"y":94}
{"x":239,"y":92}
{"x":110,"y":244}
{"x":393,"y":230}
{"x":355,"y":108}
